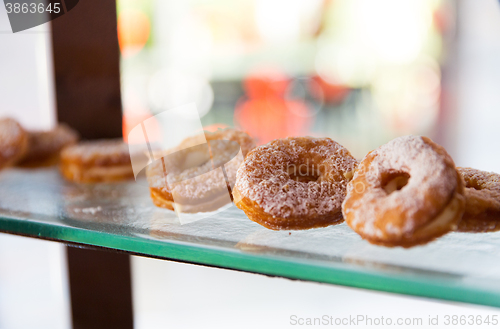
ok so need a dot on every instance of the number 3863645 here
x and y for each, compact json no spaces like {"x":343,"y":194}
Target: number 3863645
{"x":32,"y":8}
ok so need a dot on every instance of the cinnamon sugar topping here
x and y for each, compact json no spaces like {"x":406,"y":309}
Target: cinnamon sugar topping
{"x":266,"y":179}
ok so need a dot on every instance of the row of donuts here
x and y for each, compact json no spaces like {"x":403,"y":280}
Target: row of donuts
{"x":405,"y":193}
{"x":82,"y":162}
{"x":25,"y":148}
{"x":104,"y":161}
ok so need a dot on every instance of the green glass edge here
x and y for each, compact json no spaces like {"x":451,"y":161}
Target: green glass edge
{"x":263,"y":264}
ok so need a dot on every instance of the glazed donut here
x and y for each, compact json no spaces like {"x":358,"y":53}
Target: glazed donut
{"x":482,"y":201}
{"x":96,"y":161}
{"x":44,"y":147}
{"x":406,"y":192}
{"x":13,"y":142}
{"x":294,"y":183}
{"x":190,"y":174}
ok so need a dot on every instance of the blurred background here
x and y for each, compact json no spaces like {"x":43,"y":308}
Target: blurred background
{"x":359,"y":71}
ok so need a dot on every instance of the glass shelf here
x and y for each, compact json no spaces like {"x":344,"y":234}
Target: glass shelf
{"x":39,"y":203}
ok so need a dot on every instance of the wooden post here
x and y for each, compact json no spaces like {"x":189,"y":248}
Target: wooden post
{"x":87,"y":69}
{"x":87,"y":74}
{"x":100,"y":283}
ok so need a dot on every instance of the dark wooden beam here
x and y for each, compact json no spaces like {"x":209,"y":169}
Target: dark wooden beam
{"x":87,"y":81}
{"x":100,"y":283}
{"x":87,"y":69}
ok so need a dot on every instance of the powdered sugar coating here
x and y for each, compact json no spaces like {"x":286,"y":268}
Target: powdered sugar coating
{"x":370,"y":210}
{"x":44,"y":144}
{"x":482,"y":191}
{"x":200,"y":181}
{"x":204,"y":185}
{"x":13,"y":141}
{"x":264,"y":177}
{"x":188,"y":183}
{"x":245,"y":142}
{"x":97,"y":153}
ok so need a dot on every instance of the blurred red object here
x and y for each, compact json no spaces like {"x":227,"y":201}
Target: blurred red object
{"x":129,"y":121}
{"x":330,"y":93}
{"x":134,"y":29}
{"x":265,"y":113}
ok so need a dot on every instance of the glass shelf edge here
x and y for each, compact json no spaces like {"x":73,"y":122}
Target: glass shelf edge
{"x":261,"y":264}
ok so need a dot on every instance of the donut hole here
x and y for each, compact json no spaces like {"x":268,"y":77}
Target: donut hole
{"x":394,"y":181}
{"x":193,"y":160}
{"x":188,"y":159}
{"x":304,"y":172}
{"x":473,"y":184}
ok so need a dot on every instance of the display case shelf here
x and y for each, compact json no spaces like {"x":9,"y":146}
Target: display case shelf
{"x":39,"y":203}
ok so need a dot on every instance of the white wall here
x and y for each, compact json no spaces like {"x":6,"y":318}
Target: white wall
{"x":26,"y":75}
{"x":478,"y":99}
{"x":33,"y":278}
{"x":173,"y":295}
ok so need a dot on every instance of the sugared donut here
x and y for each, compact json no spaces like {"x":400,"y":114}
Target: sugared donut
{"x":44,"y":147}
{"x":193,"y":176}
{"x":294,"y":183}
{"x":482,"y":201}
{"x":96,"y":161}
{"x":245,"y":142}
{"x":404,"y":193}
{"x":13,"y":142}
